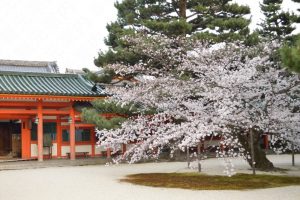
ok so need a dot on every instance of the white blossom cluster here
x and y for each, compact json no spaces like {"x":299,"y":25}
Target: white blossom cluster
{"x":201,"y":91}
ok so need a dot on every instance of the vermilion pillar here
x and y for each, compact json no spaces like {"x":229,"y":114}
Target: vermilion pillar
{"x":40,"y":130}
{"x":93,"y":141}
{"x":72,"y":133}
{"x":25,"y":138}
{"x":108,"y":153}
{"x":58,"y":135}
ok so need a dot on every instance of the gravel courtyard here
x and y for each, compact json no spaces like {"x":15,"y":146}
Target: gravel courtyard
{"x":101,"y":182}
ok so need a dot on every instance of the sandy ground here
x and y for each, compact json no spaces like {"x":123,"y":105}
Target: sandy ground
{"x":102,"y":183}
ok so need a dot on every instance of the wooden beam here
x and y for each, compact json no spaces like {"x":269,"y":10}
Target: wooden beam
{"x":15,"y":117}
{"x":84,"y":125}
{"x":112,"y":115}
{"x":34,"y":104}
{"x":34,"y":112}
{"x":56,"y":112}
{"x":18,"y":111}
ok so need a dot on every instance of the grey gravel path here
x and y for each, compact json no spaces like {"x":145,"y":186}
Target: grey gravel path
{"x":100,"y":182}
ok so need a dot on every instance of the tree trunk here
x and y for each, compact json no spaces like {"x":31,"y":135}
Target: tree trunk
{"x":252,"y":151}
{"x":188,"y":156}
{"x":293,"y":154}
{"x":182,"y":8}
{"x":261,"y":160}
{"x":199,"y":156}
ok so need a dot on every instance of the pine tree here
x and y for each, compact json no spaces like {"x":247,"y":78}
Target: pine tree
{"x":120,"y":113}
{"x":278,"y":24}
{"x":210,"y":20}
{"x":290,"y":55}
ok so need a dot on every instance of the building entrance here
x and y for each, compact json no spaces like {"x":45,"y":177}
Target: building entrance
{"x":10,"y":140}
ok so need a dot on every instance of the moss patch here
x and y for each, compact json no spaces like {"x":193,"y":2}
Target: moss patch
{"x":196,"y":181}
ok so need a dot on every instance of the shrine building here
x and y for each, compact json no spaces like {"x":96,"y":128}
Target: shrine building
{"x":40,"y":112}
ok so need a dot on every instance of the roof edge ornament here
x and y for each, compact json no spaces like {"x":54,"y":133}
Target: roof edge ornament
{"x":53,"y":65}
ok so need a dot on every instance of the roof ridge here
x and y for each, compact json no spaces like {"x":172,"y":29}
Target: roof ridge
{"x":13,"y":73}
{"x":25,"y":63}
{"x":29,"y":66}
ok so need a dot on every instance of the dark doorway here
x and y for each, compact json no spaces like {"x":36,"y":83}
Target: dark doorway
{"x":10,"y":140}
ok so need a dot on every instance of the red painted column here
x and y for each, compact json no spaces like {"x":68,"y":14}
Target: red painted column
{"x":25,"y":139}
{"x":58,"y":135}
{"x":222,"y":146}
{"x":72,"y":133}
{"x":40,"y":130}
{"x":108,"y":153}
{"x":93,"y":141}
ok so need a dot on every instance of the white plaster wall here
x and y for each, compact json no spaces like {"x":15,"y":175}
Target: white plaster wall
{"x":78,"y":148}
{"x":84,"y":148}
{"x":49,"y":117}
{"x":99,"y":148}
{"x":34,"y":150}
{"x":65,"y":150}
{"x":54,"y":149}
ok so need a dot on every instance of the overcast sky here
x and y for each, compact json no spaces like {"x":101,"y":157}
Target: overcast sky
{"x":70,"y":32}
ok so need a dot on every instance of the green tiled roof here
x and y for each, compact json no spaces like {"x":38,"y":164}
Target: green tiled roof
{"x":47,"y":84}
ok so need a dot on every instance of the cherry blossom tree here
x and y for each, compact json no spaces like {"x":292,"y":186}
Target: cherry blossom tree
{"x":200,"y":91}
